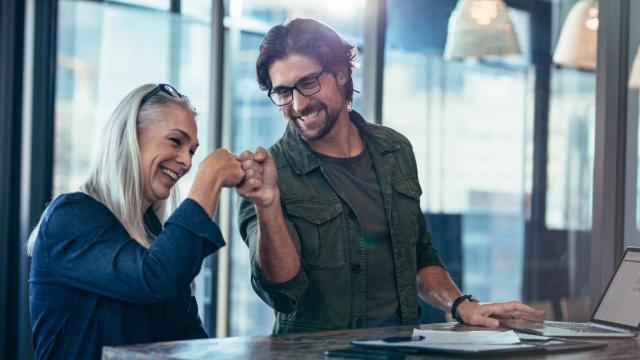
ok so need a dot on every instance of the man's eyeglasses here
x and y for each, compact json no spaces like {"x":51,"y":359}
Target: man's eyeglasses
{"x":307,"y":86}
{"x":169,"y":90}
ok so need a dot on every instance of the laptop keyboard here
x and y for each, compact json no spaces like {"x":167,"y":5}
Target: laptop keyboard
{"x":580,"y":327}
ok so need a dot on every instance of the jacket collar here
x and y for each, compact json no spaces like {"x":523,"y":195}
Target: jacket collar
{"x":303,"y":159}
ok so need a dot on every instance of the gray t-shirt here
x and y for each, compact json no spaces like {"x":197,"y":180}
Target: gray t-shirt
{"x":357,"y":180}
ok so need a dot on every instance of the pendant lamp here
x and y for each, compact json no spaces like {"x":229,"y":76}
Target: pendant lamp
{"x":578,"y":42}
{"x":634,"y":79}
{"x":480,"y":28}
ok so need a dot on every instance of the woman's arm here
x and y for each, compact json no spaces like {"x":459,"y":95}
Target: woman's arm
{"x":86,"y":247}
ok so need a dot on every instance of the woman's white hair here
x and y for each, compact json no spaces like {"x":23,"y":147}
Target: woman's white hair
{"x":116,"y":179}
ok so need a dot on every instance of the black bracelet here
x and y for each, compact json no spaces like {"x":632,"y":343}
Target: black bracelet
{"x":456,"y":303}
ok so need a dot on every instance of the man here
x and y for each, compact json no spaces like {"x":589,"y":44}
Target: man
{"x":332,"y":215}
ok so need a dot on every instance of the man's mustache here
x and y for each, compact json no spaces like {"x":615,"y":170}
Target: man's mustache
{"x":306,"y":111}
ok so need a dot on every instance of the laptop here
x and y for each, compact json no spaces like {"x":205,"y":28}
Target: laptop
{"x":617,"y":313}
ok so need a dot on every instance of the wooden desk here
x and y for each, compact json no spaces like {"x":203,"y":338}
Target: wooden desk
{"x":313,"y":345}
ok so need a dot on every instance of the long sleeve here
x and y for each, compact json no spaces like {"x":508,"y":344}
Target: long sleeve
{"x":84,"y":246}
{"x":426,"y":253}
{"x":282,"y":297}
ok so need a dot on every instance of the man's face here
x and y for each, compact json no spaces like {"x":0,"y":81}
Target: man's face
{"x":313,"y":116}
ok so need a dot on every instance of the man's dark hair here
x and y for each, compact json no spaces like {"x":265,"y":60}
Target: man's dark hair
{"x":310,"y":38}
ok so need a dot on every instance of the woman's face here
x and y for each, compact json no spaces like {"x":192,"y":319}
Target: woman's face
{"x":166,"y":148}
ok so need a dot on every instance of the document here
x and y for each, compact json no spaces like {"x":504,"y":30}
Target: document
{"x":467,"y":337}
{"x":496,"y":343}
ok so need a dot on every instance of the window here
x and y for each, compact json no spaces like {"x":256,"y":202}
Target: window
{"x":632,"y":207}
{"x":475,"y":126}
{"x":104,"y":51}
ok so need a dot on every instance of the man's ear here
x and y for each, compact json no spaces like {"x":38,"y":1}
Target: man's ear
{"x":341,"y":77}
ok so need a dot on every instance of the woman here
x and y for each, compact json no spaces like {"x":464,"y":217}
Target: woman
{"x":105,"y":271}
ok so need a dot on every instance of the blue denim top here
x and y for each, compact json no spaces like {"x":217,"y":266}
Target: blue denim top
{"x":91,"y":285}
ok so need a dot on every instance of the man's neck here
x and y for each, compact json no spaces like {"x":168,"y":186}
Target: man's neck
{"x":342,"y":141}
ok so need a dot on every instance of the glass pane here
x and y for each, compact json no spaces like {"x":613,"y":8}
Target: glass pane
{"x":257,"y":122}
{"x":342,"y":15}
{"x":475,"y":158}
{"x":106,"y":50}
{"x":471,"y":158}
{"x":560,"y":272}
{"x":472,"y":125}
{"x":154,"y":4}
{"x":572,"y":120}
{"x":198,"y":9}
{"x":632,"y":211}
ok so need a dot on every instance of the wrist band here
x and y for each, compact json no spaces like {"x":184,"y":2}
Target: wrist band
{"x":456,"y":303}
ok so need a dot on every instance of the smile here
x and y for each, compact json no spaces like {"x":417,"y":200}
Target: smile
{"x":310,"y":116}
{"x":170,"y":173}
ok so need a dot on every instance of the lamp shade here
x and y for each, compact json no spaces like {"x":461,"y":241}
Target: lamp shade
{"x":480,"y":28}
{"x":634,"y":79}
{"x":578,"y":42}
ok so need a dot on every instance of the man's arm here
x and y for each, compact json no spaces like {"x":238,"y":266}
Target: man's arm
{"x":436,"y":287}
{"x":276,"y":254}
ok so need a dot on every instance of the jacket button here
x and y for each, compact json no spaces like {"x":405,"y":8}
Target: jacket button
{"x":355,"y":268}
{"x":352,"y":215}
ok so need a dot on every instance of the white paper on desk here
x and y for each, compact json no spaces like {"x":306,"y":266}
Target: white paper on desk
{"x":468,"y":337}
{"x":449,"y":348}
{"x":523,"y":336}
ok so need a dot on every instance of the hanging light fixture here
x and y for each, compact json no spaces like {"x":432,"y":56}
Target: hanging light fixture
{"x":634,"y":79}
{"x":578,"y":42}
{"x":480,"y":28}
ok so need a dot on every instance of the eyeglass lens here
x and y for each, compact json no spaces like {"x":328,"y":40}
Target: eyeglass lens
{"x":306,"y":86}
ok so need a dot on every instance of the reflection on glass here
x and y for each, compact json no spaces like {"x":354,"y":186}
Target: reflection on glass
{"x":470,"y":149}
{"x":257,"y":122}
{"x":470,"y":159}
{"x":154,"y":4}
{"x":106,"y":50}
{"x":344,"y":16}
{"x":197,"y":9}
{"x":472,"y":126}
{"x":572,"y":117}
{"x":637,"y":120}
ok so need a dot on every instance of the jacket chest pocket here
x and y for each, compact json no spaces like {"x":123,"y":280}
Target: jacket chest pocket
{"x":406,"y":197}
{"x":322,"y":232}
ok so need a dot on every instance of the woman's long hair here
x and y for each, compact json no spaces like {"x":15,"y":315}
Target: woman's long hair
{"x":116,"y":179}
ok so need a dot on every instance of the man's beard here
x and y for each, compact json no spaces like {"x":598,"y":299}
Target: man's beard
{"x":323,"y":129}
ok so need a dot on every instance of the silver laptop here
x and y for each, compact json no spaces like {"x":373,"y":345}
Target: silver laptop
{"x":617,"y":313}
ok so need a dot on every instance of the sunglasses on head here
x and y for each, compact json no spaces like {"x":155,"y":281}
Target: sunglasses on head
{"x":167,"y":89}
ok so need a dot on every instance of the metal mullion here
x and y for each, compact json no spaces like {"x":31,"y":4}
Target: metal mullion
{"x":175,"y":6}
{"x":11,"y":67}
{"x":36,"y":168}
{"x":212,"y":265}
{"x":540,"y":26}
{"x":610,"y":144}
{"x":373,"y":62}
{"x":231,"y":36}
{"x":632,"y":233}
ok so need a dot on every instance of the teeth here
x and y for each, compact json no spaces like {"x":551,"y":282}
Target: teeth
{"x":311,"y":115}
{"x":171,"y":174}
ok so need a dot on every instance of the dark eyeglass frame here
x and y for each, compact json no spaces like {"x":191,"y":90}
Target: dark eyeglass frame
{"x":169,"y":90}
{"x":296,"y":87}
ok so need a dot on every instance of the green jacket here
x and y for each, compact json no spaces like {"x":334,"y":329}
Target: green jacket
{"x":329,"y":290}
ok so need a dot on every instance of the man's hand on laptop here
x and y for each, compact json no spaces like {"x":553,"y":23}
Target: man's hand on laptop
{"x":490,"y":315}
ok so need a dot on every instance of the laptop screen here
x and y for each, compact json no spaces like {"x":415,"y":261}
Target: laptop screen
{"x":620,"y":302}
